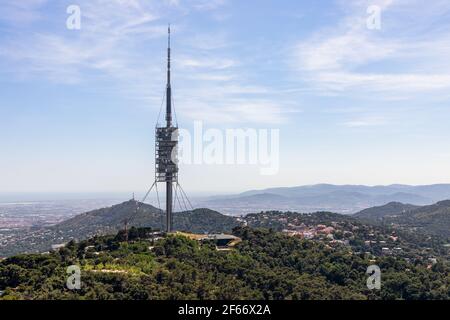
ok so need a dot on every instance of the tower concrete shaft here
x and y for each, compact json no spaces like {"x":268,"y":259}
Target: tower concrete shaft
{"x":169,"y":176}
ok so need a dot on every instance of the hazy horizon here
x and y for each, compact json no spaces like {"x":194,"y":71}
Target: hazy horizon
{"x":126,"y":195}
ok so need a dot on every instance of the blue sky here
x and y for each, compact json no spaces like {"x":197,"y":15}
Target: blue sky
{"x":353,"y":105}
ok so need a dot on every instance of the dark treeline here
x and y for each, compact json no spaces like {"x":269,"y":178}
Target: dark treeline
{"x":265,"y":265}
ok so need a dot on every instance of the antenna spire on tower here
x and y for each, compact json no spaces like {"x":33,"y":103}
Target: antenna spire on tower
{"x":168,"y":56}
{"x":168,"y":89}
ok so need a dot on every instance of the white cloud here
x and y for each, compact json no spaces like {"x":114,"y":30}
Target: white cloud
{"x":113,"y":47}
{"x":383,"y":83}
{"x":205,"y":62}
{"x":235,"y":111}
{"x":21,"y":13}
{"x":211,"y":76}
{"x":110,"y":32}
{"x":365,"y":122}
{"x":351,"y":49}
{"x":208,"y":4}
{"x":201,"y":5}
{"x":208,"y":41}
{"x":390,"y":62}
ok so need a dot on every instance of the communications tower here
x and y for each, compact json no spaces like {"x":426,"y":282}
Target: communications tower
{"x":166,"y":161}
{"x":166,"y":149}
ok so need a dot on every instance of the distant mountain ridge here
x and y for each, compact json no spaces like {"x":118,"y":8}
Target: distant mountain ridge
{"x":345,"y":199}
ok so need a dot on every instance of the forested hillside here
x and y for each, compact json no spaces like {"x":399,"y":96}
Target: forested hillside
{"x":388,"y":210}
{"x":265,"y":265}
{"x":110,"y":220}
{"x":433,"y":219}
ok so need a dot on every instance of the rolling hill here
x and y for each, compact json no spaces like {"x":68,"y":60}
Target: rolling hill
{"x":110,"y":220}
{"x":380,"y":212}
{"x":432,"y":219}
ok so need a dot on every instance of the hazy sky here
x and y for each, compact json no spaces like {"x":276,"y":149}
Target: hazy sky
{"x":353,"y":104}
